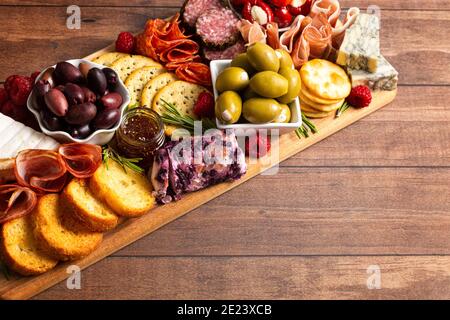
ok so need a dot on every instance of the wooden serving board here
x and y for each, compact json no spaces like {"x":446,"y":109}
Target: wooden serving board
{"x":17,"y":287}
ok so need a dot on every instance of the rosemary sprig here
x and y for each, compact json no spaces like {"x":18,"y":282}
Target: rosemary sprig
{"x":131,"y":163}
{"x":342,"y":109}
{"x":306,"y":127}
{"x":171,"y":115}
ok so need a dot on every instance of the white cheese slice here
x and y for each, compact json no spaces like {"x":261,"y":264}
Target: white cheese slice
{"x":385,"y":78}
{"x":15,"y":137}
{"x":360,"y":49}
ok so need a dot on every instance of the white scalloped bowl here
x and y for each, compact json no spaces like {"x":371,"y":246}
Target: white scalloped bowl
{"x":217,"y":66}
{"x":100,"y":137}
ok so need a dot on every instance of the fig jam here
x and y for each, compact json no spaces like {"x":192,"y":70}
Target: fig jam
{"x":140,"y":135}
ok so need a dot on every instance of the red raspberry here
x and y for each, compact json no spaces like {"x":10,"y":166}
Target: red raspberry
{"x":258,"y":145}
{"x":34,"y":75}
{"x":8,"y":82}
{"x":8,"y":108}
{"x":204,"y":107}
{"x":3,"y":96}
{"x":19,"y":89}
{"x":125,"y":42}
{"x":360,"y":97}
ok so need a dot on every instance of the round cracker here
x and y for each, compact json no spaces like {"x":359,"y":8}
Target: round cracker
{"x":152,"y":87}
{"x":126,"y":65}
{"x":321,"y":107}
{"x":311,"y":112}
{"x":325,"y":79}
{"x":108,"y":58}
{"x":311,"y":97}
{"x":137,"y":80}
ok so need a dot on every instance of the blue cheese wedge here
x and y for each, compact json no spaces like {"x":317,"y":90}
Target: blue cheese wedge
{"x":16,"y":137}
{"x":360,"y":49}
{"x":385,"y":78}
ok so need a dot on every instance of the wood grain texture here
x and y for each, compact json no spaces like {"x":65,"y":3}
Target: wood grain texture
{"x":38,"y":35}
{"x":419,"y":277}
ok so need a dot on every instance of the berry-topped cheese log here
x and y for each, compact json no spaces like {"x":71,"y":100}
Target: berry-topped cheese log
{"x":360,"y":49}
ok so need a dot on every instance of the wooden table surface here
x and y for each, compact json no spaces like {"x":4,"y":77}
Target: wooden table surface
{"x":375,"y":195}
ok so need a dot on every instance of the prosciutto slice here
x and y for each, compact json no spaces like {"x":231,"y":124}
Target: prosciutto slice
{"x":287,"y":39}
{"x":81,"y":160}
{"x":40,"y":170}
{"x":251,"y":32}
{"x":273,"y":35}
{"x":15,"y":202}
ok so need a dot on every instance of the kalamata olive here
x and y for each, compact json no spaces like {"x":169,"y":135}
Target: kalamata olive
{"x":80,"y":132}
{"x":97,"y":81}
{"x":42,"y":87}
{"x":66,"y":72}
{"x":112,"y":100}
{"x":111,"y":78}
{"x":56,"y":102}
{"x":107,"y":118}
{"x":84,"y":68}
{"x":81,"y":114}
{"x":48,"y":76}
{"x":89,"y":96}
{"x":74,"y":94}
{"x":51,"y":122}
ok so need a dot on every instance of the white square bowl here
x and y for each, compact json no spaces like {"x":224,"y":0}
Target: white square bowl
{"x":101,"y":136}
{"x":217,"y":66}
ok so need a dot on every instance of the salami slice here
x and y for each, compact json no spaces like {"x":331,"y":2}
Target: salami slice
{"x":195,"y":72}
{"x":228,"y":53}
{"x":193,"y":9}
{"x":218,"y":28}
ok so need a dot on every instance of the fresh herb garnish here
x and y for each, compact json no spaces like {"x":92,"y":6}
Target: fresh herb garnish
{"x":131,"y":163}
{"x":342,"y":109}
{"x":171,"y":115}
{"x":307,"y":126}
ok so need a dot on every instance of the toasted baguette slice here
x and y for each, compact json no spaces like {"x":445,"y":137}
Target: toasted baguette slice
{"x":59,"y":233}
{"x":126,"y":65}
{"x":107,"y":59}
{"x":96,"y":215}
{"x":127,"y":192}
{"x":137,"y":80}
{"x":20,"y":251}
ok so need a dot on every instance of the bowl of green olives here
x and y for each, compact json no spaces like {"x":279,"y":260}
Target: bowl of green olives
{"x":79,"y":101}
{"x":257,"y":90}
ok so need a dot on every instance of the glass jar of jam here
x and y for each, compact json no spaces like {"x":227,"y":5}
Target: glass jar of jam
{"x":140,"y":134}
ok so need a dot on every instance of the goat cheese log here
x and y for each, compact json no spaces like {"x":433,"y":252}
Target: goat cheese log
{"x":189,"y":165}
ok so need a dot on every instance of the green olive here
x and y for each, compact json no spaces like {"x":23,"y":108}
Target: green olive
{"x":285,"y":114}
{"x":261,"y":110}
{"x":249,"y":93}
{"x":241,"y":61}
{"x":228,"y":107}
{"x":232,"y":79}
{"x":285,"y":59}
{"x":269,"y":84}
{"x":263,"y":58}
{"x":293,"y":78}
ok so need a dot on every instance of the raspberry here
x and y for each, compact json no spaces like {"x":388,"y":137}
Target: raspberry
{"x":8,"y":82}
{"x":19,"y":89}
{"x":204,"y":107}
{"x":257,"y":145}
{"x":125,"y":42}
{"x":360,"y":97}
{"x":3,"y":96}
{"x":34,"y":75}
{"x":8,"y":108}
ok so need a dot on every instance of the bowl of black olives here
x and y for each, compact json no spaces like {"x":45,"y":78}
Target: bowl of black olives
{"x":79,"y":101}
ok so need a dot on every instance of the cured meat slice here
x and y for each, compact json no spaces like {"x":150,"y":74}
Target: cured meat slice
{"x":81,"y":160}
{"x":218,"y":28}
{"x":181,"y":50}
{"x":196,"y":163}
{"x":228,"y":53}
{"x":273,"y":35}
{"x":331,"y":8}
{"x":195,"y":72}
{"x":15,"y":202}
{"x":193,"y":9}
{"x":287,"y":39}
{"x":40,"y":170}
{"x":251,"y":32}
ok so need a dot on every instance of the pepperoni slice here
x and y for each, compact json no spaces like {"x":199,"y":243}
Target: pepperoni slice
{"x":195,"y":72}
{"x":15,"y":202}
{"x":81,"y":160}
{"x":40,"y":170}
